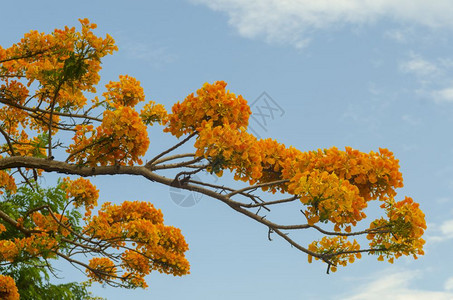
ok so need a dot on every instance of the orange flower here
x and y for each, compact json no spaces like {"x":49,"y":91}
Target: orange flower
{"x":328,"y":198}
{"x":101,"y":269}
{"x":152,"y":113}
{"x":405,"y":227}
{"x":212,"y":104}
{"x":8,"y":289}
{"x":7,"y":182}
{"x":120,"y":139}
{"x":156,"y":246}
{"x":126,"y":92}
{"x":83,"y":192}
{"x":338,"y":244}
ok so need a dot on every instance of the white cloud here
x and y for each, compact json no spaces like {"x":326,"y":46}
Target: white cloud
{"x":443,"y":95}
{"x":444,"y":232}
{"x":292,"y":20}
{"x":449,"y":284}
{"x":401,"y":35}
{"x":398,"y":286}
{"x":447,"y":228}
{"x":434,"y":77}
{"x":419,"y":66}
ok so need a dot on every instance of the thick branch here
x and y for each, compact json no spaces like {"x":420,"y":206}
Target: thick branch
{"x":66,"y":168}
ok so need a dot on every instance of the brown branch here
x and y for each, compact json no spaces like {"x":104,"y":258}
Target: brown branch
{"x":150,"y":163}
{"x":329,"y":255}
{"x":251,"y":205}
{"x":95,"y":271}
{"x":52,"y":107}
{"x":93,"y":143}
{"x":30,"y":55}
{"x":15,"y":224}
{"x":256,"y":186}
{"x":36,"y":110}
{"x":225,"y":188}
{"x":178,"y":165}
{"x":66,"y":168}
{"x":172,"y":157}
{"x":12,"y":76}
{"x":11,"y":148}
{"x":8,"y":141}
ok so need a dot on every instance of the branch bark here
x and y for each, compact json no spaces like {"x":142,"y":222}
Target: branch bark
{"x":66,"y":168}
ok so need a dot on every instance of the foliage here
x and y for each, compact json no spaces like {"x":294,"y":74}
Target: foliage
{"x":45,"y":82}
{"x":33,"y":283}
{"x":31,"y":272}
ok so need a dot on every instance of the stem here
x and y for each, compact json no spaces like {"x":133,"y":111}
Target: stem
{"x":150,"y":163}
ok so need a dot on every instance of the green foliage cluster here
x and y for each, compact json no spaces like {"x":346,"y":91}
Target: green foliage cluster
{"x":32,"y":274}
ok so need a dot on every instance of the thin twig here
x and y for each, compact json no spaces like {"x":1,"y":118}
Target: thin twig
{"x":256,"y":186}
{"x":150,"y":163}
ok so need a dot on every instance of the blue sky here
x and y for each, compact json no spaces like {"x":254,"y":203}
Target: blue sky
{"x":365,"y":74}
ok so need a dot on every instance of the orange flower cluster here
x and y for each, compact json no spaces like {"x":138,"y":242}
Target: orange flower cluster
{"x":65,"y":62}
{"x":40,"y":124}
{"x":37,"y":244}
{"x":120,"y":139}
{"x":402,"y":232}
{"x":8,"y":250}
{"x":104,"y":269}
{"x":12,"y":117}
{"x":328,"y":198}
{"x":7,"y":183}
{"x":232,"y":147}
{"x":375,"y":174}
{"x":29,"y":147}
{"x":14,"y":91}
{"x":82,"y":191}
{"x":126,"y":92}
{"x":152,"y":113}
{"x":252,"y":160}
{"x":213,"y":104}
{"x":157,"y":247}
{"x":334,"y":185}
{"x":136,"y":266}
{"x":340,"y":249}
{"x":8,"y":288}
{"x":46,"y":223}
{"x":275,"y":161}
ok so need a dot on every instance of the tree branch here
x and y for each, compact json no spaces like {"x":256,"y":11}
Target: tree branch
{"x":150,"y":163}
{"x":66,"y":168}
{"x":36,"y":110}
{"x":256,"y":186}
